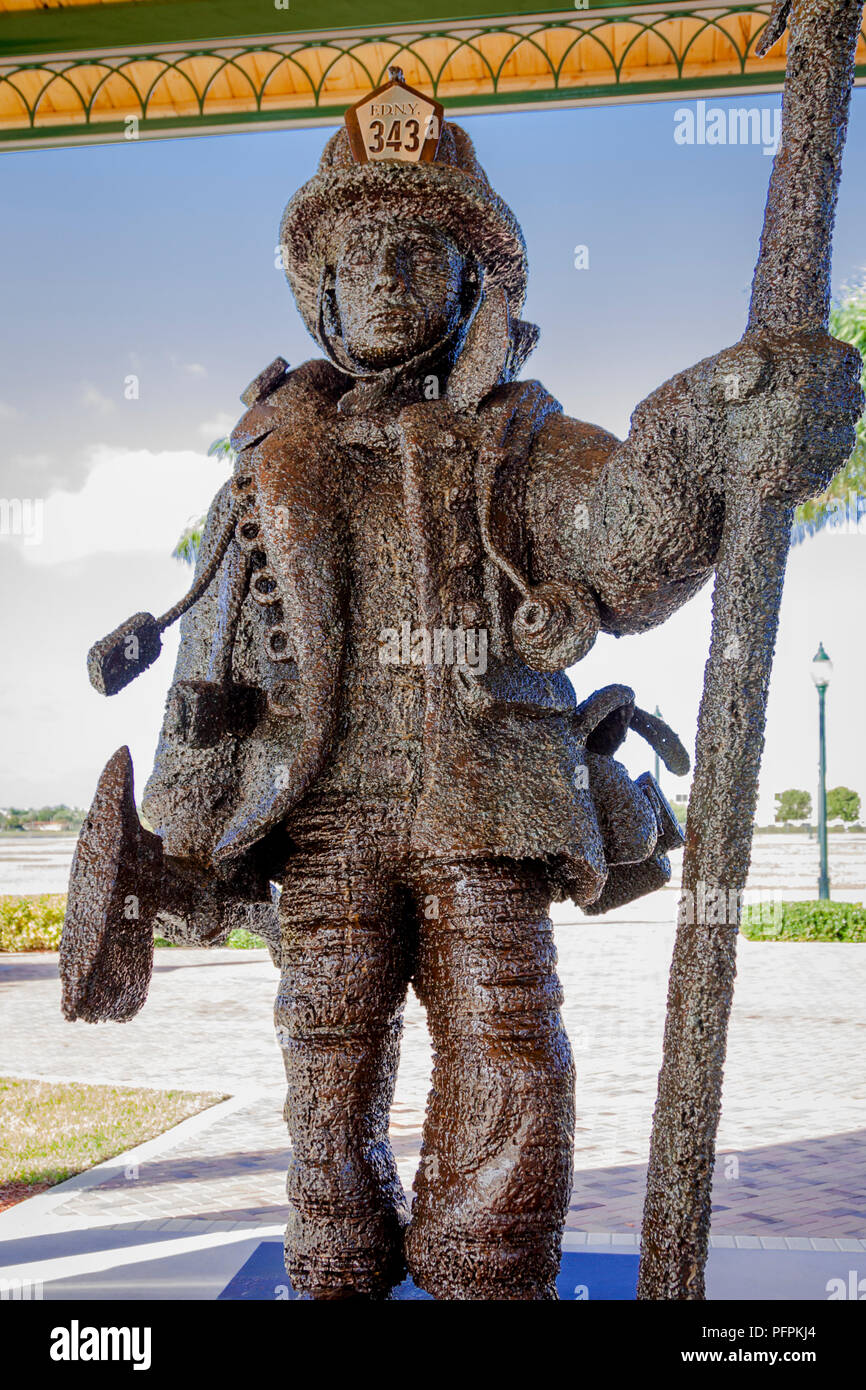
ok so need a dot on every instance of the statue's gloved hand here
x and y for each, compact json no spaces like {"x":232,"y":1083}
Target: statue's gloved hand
{"x":788,"y":407}
{"x":198,"y":909}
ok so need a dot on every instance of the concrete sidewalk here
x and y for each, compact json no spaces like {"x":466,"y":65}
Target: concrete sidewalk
{"x":153,"y":1224}
{"x":790,"y":1181}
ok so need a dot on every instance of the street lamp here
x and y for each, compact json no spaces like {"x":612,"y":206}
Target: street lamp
{"x":657,"y":768}
{"x":822,"y":669}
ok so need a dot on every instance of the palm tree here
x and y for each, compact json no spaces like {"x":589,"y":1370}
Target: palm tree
{"x":845,"y":499}
{"x":189,"y":541}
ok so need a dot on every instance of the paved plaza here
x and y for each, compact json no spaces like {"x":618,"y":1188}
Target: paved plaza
{"x":790,"y":1176}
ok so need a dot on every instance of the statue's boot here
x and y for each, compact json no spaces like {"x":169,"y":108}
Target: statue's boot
{"x":494,"y":1182}
{"x":339,"y":1010}
{"x":121,"y":887}
{"x":344,"y":1235}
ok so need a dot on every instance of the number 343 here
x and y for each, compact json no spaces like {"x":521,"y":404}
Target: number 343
{"x":402,"y":135}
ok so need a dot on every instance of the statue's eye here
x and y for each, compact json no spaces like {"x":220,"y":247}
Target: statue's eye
{"x":356,"y":263}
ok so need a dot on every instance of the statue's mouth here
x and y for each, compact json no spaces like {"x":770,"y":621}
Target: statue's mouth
{"x":393,"y":314}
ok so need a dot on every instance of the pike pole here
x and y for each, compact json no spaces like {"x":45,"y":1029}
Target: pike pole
{"x":790,"y":298}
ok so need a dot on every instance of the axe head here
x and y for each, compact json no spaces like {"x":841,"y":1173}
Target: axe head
{"x":121,"y":656}
{"x":106,"y":951}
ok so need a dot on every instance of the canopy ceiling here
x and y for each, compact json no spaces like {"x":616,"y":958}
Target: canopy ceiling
{"x":73,"y":72}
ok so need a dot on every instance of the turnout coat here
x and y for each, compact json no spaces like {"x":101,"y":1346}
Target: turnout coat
{"x":513,"y":765}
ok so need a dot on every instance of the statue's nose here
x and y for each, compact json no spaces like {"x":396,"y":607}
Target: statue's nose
{"x":390,"y":275}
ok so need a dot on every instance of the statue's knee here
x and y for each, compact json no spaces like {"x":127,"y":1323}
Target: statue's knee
{"x":346,"y":981}
{"x":310,"y":1004}
{"x":330,"y":1014}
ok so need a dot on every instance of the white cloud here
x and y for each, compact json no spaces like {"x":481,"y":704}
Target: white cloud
{"x":195,"y":369}
{"x":133,"y":500}
{"x":7,"y":412}
{"x":217,"y":427}
{"x":95,"y":399}
{"x":23,"y":469}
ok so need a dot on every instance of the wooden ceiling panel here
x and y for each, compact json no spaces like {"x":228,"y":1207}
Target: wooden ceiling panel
{"x":613,"y":52}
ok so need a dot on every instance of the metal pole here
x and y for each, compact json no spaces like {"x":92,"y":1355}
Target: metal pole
{"x":790,"y":298}
{"x":658,"y":716}
{"x":824,"y":875}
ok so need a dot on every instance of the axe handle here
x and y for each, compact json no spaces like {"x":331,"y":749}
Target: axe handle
{"x":790,"y":294}
{"x":205,"y":578}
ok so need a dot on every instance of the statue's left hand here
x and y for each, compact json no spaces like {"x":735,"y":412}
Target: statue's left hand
{"x":789,"y":407}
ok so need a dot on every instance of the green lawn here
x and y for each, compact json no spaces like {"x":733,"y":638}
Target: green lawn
{"x":48,"y":1131}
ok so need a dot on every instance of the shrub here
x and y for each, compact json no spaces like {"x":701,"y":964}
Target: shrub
{"x":239,"y":940}
{"x":32,"y":923}
{"x":243,"y":940}
{"x":793,"y":805}
{"x":806,"y":921}
{"x":35,"y":924}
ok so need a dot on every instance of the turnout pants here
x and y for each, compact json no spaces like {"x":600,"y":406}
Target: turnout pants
{"x":361,"y":918}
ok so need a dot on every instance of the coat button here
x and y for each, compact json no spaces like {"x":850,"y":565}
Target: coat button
{"x":247,"y":533}
{"x":464,"y":555}
{"x":264,"y":587}
{"x":241,"y":485}
{"x":277,"y":644}
{"x":283,"y":700}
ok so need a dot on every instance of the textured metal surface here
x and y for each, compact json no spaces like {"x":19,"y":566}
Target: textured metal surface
{"x":370,"y":707}
{"x":117,"y":659}
{"x":362,"y":915}
{"x":782,"y":445}
{"x":106,"y":951}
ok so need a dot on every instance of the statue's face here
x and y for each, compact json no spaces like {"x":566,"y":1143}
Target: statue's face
{"x":398,"y":288}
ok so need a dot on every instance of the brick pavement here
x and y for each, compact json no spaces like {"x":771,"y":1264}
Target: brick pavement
{"x":794,"y":1109}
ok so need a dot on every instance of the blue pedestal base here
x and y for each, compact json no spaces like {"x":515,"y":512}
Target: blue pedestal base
{"x":582,"y":1276}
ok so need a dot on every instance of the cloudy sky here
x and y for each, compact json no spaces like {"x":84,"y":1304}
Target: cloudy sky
{"x":156,"y":261}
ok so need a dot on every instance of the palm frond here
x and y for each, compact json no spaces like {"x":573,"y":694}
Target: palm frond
{"x":189,"y":541}
{"x":843,"y":503}
{"x":187,"y":547}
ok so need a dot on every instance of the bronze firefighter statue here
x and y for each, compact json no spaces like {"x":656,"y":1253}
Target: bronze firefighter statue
{"x":371,"y":712}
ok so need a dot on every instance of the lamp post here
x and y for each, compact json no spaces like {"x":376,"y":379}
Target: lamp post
{"x":822,"y":669}
{"x":657,"y":770}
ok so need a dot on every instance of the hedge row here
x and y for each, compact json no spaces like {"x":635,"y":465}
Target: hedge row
{"x":35,"y":924}
{"x":32,"y":923}
{"x":806,"y":921}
